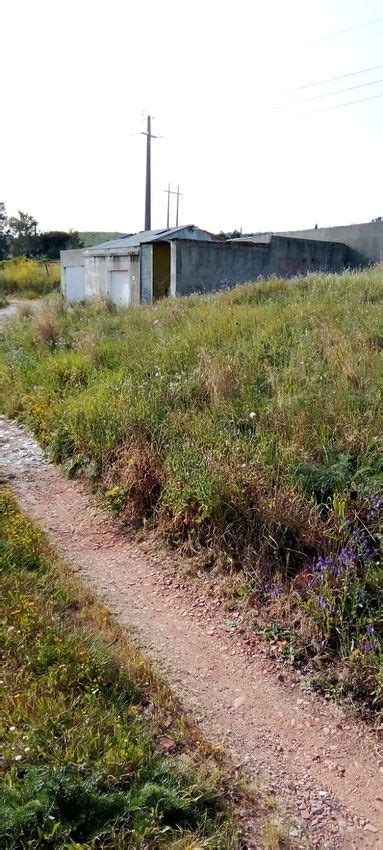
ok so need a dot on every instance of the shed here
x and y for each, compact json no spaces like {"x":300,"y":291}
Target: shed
{"x":141,"y":267}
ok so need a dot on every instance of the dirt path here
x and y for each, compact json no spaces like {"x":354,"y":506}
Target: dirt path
{"x":321,"y":765}
{"x":10,"y":310}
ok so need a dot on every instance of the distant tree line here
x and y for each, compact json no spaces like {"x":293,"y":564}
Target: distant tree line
{"x":20,"y":237}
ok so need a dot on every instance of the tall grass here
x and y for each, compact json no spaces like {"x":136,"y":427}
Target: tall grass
{"x":28,"y":278}
{"x":81,"y":731}
{"x":237,"y":423}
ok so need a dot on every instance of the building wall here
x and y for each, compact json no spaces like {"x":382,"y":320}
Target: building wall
{"x":97,"y":275}
{"x":291,"y":256}
{"x":364,"y":240}
{"x":205,"y":267}
{"x":70,"y":259}
{"x":146,"y":272}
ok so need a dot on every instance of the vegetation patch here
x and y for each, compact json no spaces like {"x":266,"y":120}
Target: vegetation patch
{"x":23,"y":277}
{"x":246,"y":427}
{"x":94,"y":752}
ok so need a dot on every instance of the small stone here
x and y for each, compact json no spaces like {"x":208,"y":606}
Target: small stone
{"x":369,"y":827}
{"x":165,"y":742}
{"x":238,"y":702}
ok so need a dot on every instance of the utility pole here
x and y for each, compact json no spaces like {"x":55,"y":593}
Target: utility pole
{"x":168,"y":210}
{"x":178,"y":204}
{"x":169,"y":192}
{"x":148,"y":192}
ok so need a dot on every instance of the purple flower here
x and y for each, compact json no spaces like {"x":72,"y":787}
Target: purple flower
{"x":370,"y":629}
{"x":369,"y":647}
{"x":273,"y":589}
{"x":323,"y":603}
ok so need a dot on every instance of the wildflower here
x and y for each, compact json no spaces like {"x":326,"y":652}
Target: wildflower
{"x":252,"y":415}
{"x":323,"y":602}
{"x":369,"y":647}
{"x":370,"y":629}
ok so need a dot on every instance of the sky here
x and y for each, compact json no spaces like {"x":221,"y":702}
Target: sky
{"x":249,"y":147}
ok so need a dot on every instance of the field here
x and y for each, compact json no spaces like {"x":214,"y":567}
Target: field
{"x":245,"y":427}
{"x":94,"y":751}
{"x":26,"y":278}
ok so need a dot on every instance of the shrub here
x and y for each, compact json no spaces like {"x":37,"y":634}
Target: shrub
{"x":29,"y":278}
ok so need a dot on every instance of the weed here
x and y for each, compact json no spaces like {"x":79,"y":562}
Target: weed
{"x":29,"y":278}
{"x":80,"y":764}
{"x":245,"y":425}
{"x":276,"y":836}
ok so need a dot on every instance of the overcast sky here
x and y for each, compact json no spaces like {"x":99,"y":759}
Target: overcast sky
{"x":78,"y":78}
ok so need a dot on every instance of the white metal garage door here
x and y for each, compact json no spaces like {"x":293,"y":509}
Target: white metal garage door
{"x":119,"y":288}
{"x":74,"y":284}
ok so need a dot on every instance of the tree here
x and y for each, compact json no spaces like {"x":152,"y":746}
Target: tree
{"x":3,"y":232}
{"x":51,"y":243}
{"x":24,"y":231}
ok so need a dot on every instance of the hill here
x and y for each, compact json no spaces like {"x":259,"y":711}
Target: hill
{"x":245,"y":427}
{"x":93,"y":237}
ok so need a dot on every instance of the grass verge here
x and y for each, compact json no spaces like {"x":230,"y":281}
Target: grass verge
{"x":95,"y":753}
{"x":245,"y":426}
{"x":22,"y":277}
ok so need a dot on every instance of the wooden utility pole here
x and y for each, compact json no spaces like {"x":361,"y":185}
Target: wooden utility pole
{"x":148,"y":188}
{"x":178,"y":204}
{"x":169,"y":192}
{"x":168,"y":210}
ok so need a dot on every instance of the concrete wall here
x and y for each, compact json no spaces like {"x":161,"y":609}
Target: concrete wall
{"x":205,"y":267}
{"x":97,"y":275}
{"x":146,"y":272}
{"x":364,"y":240}
{"x":291,"y":256}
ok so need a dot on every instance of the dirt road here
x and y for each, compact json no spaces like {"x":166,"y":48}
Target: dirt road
{"x":322,"y":765}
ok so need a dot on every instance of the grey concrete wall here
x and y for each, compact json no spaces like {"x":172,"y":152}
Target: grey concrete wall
{"x":147,"y":273}
{"x":97,"y":275}
{"x":364,"y":240}
{"x":291,"y":256}
{"x":205,"y":267}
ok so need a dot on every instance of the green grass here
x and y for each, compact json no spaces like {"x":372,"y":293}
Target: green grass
{"x":245,"y":425}
{"x":95,"y":237}
{"x":22,"y":277}
{"x":81,"y":722}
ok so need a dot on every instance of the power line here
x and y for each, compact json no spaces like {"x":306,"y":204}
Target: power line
{"x":329,"y":94}
{"x":342,"y":32}
{"x":339,"y":105}
{"x":331,"y":79}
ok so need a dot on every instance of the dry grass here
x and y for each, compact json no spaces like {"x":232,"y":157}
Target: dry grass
{"x":46,"y":325}
{"x":25,"y":310}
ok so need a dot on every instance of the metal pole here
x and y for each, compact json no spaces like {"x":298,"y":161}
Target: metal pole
{"x":148,"y":175}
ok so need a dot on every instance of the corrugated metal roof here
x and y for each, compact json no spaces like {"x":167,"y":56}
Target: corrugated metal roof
{"x":144,"y":236}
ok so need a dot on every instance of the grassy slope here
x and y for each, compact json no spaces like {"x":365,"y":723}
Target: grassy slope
{"x":26,"y":278}
{"x":83,"y":718}
{"x":245,"y":423}
{"x":90,"y":238}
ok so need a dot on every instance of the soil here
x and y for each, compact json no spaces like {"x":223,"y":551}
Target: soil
{"x":322,"y":766}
